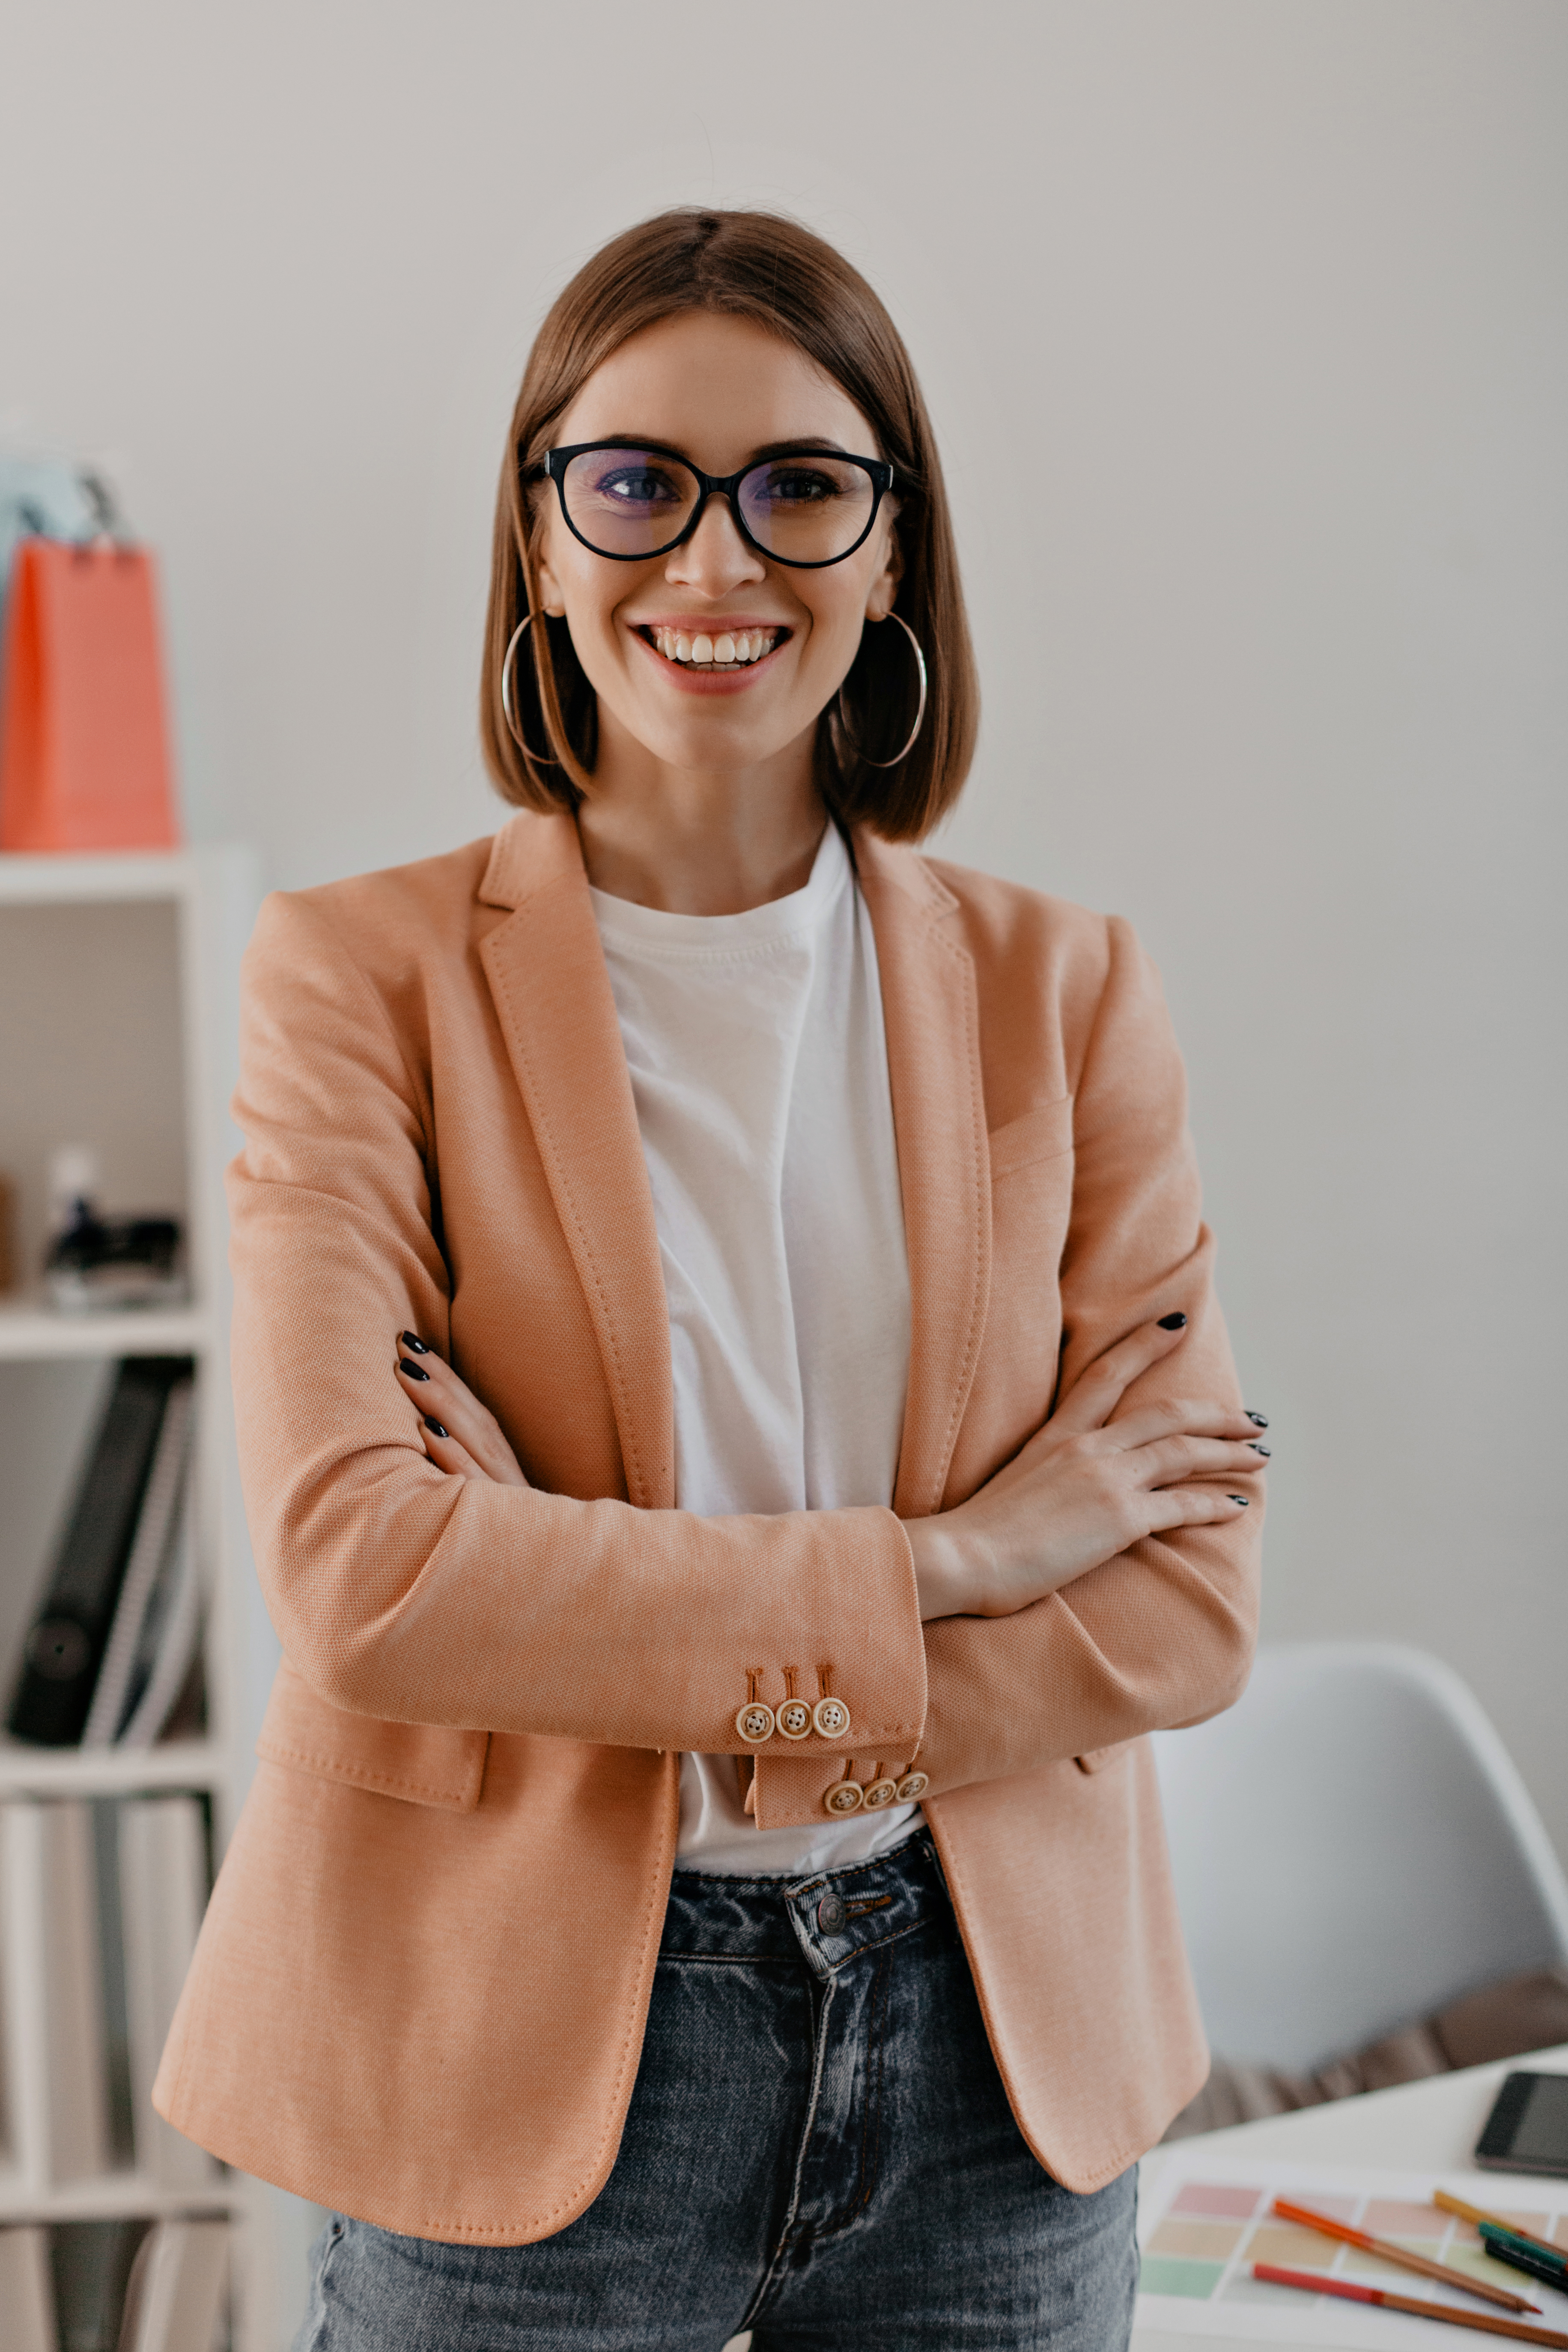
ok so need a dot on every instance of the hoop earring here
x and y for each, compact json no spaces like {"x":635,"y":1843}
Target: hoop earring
{"x":919,"y":714}
{"x":539,"y":757}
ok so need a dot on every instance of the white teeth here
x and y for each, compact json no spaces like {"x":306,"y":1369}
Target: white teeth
{"x":731,"y":647}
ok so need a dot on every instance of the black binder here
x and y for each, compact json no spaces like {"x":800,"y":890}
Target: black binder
{"x":65,"y":1647}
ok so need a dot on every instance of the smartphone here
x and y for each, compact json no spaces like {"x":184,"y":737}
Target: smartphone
{"x":1527,"y":2130}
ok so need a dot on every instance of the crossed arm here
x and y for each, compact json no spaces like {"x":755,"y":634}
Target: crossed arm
{"x":1101,"y":1581}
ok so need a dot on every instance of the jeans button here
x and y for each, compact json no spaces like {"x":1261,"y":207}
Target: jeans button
{"x":830,"y":1914}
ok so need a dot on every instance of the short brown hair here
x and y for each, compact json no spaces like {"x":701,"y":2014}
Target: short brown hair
{"x":765,"y":267}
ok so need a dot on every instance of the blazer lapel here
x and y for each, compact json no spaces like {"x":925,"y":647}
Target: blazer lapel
{"x":546,"y":972}
{"x":932,"y":1014}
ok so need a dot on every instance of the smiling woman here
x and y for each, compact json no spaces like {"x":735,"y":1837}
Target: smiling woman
{"x":738,"y":1435}
{"x":736,"y":383}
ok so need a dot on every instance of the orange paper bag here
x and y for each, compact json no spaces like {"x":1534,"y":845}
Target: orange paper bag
{"x":84,"y":736}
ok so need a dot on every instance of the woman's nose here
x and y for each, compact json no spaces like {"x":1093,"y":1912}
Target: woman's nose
{"x":715,"y":558}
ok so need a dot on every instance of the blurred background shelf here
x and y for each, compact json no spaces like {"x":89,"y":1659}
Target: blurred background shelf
{"x":118,"y":1017}
{"x":32,"y":1331}
{"x":83,"y":877}
{"x":114,"y":2195}
{"x":196,"y":1764}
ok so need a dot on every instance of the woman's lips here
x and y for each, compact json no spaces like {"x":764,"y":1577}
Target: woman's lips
{"x":712,"y":657}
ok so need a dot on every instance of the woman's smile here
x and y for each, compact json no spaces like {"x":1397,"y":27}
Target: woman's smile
{"x":708,"y":653}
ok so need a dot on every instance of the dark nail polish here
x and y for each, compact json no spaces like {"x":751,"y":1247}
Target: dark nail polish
{"x":1267,"y":1451}
{"x":410,"y":1339}
{"x":411,"y":1372}
{"x":1258,"y":1420}
{"x":1242,"y":1500}
{"x":434,"y":1428}
{"x":1173,"y":1322}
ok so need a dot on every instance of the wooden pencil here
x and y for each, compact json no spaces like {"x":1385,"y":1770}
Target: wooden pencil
{"x":1317,"y":2282}
{"x":1386,"y":2252}
{"x":1476,"y":2215}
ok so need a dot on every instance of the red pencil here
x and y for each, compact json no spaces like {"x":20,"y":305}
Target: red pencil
{"x":1317,"y":2282}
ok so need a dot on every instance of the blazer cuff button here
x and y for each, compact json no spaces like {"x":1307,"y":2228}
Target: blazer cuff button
{"x":754,"y":1723}
{"x":844,"y":1797}
{"x":880,"y":1793}
{"x":794,"y":1720}
{"x":913,"y":1786}
{"x":831,"y":1717}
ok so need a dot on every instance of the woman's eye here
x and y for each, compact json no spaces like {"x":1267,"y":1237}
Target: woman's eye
{"x":638,"y":487}
{"x":801,"y":487}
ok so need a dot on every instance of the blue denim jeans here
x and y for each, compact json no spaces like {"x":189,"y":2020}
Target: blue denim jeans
{"x":818,"y":2148}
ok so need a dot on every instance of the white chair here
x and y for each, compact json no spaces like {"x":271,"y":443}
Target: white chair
{"x":1353,"y":1848}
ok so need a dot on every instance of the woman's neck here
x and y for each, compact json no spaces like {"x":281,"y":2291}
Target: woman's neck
{"x":692,"y":843}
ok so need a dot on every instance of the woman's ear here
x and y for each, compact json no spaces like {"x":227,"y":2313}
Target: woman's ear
{"x":885,"y":582}
{"x":550,"y":595}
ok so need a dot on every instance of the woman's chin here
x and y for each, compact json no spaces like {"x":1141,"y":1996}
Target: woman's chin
{"x":712,"y":740}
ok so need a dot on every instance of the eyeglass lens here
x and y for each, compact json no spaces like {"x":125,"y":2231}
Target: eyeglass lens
{"x":807,"y":509}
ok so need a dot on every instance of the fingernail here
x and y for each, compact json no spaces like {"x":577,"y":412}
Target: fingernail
{"x":410,"y":1339}
{"x":434,"y":1428}
{"x":1242,"y":1500}
{"x":1258,"y":1420}
{"x":1173,"y":1322}
{"x":1267,"y":1451}
{"x":411,"y":1372}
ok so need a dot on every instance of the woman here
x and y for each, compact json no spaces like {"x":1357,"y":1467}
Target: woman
{"x":705,"y":1872}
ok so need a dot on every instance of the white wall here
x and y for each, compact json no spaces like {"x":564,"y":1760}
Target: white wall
{"x":1245,"y":326}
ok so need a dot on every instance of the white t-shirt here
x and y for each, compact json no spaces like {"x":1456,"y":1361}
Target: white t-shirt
{"x":759,"y":1067}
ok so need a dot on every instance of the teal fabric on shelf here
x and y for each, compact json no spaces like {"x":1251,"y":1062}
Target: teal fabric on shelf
{"x":50,"y":496}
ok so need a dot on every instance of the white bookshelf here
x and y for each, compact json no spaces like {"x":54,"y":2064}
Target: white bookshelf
{"x":119,"y":997}
{"x":33,"y":1333}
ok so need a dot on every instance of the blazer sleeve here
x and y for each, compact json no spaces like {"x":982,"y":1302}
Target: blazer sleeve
{"x":402,"y":1593}
{"x":1163,"y":1634}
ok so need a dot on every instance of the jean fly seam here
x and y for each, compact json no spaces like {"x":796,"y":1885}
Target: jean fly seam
{"x":871,"y":2111}
{"x":819,"y":2064}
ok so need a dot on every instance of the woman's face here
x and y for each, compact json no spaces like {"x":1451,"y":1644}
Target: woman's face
{"x":719,"y":391}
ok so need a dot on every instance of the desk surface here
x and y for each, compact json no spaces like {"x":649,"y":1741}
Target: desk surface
{"x":1422,"y":2127}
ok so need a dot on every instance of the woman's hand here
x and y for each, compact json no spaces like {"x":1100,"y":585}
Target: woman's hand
{"x":1085,"y":1487}
{"x":459,"y":1435}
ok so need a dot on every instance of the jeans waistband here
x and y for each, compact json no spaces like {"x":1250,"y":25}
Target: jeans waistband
{"x":828,"y":1919}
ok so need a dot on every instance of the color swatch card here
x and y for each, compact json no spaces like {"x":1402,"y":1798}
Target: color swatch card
{"x":1208,"y":2220}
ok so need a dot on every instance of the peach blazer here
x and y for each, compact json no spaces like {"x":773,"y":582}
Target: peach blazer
{"x":419,"y":1993}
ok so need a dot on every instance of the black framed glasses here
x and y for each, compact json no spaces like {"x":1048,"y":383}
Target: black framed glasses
{"x":629,"y":501}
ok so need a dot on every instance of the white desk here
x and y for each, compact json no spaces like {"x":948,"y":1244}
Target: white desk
{"x":1424,"y":2127}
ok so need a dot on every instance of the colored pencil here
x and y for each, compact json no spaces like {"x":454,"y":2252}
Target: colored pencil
{"x":1523,"y":2254}
{"x":1387,"y":2252}
{"x":1315,"y":2282}
{"x":1477,"y":2214}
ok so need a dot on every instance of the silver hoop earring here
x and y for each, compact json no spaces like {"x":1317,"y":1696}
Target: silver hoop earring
{"x":539,"y":759}
{"x":919,"y":714}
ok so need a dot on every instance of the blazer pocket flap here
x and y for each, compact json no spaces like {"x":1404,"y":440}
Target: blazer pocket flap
{"x":1095,"y":1759}
{"x":1040,"y":1134}
{"x":423,"y":1763}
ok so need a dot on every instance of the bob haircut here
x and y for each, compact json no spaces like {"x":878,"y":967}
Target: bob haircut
{"x":762,"y":266}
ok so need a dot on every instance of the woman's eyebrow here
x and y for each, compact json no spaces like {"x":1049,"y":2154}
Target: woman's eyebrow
{"x":800,"y":441}
{"x":760,"y":455}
